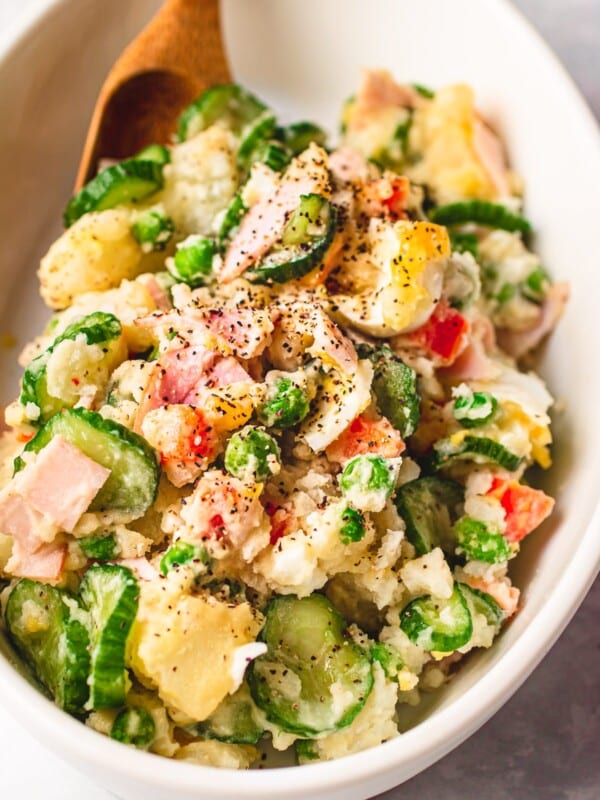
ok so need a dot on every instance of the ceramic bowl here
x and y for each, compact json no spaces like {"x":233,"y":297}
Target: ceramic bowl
{"x":305,"y":59}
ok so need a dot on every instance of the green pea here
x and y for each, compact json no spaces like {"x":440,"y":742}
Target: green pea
{"x":153,"y":230}
{"x":287,"y":406}
{"x":353,"y":528}
{"x":134,"y":725}
{"x":478,"y":543}
{"x":367,"y":473}
{"x":252,"y":455}
{"x":193,"y":261}
{"x":100,"y":547}
{"x":181,"y":553}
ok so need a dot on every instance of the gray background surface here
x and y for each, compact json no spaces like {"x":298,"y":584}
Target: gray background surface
{"x":544,"y":744}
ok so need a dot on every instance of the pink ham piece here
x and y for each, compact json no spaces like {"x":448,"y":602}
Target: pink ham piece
{"x":45,"y":564}
{"x":348,"y":165}
{"x":61,"y":483}
{"x":491,"y":154}
{"x":518,"y":343}
{"x":263,"y":225}
{"x":330,"y":344}
{"x":378,"y":90}
{"x":31,"y":556}
{"x":247,"y":331}
{"x":476,"y":362}
{"x":156,"y":292}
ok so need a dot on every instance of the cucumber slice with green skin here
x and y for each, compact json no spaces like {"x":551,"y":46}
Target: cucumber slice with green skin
{"x":474,"y":409}
{"x":229,"y":105}
{"x":154,"y":152}
{"x":308,"y":653}
{"x":430,"y":506}
{"x":56,"y":646}
{"x":436,"y":624}
{"x":97,"y":328}
{"x":465,"y":243}
{"x":424,"y":91}
{"x":135,"y":726}
{"x":235,"y":721}
{"x":132,"y":485}
{"x":193,"y":261}
{"x":353,"y":528}
{"x":478,"y":543}
{"x":305,"y":241}
{"x":306,"y":751}
{"x":110,"y":594}
{"x":181,"y":553}
{"x":482,"y":603}
{"x":299,"y":135}
{"x":102,"y":547}
{"x":127,"y":182}
{"x":475,"y":448}
{"x":479,"y":212}
{"x":231,"y":220}
{"x":388,"y":657}
{"x":257,"y":132}
{"x":153,"y":231}
{"x":273,"y":154}
{"x":395,"y":387}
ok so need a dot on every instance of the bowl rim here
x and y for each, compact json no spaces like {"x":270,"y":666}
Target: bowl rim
{"x":417,"y":748}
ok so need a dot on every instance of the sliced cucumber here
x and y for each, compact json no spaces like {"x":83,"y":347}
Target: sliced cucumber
{"x":474,"y":409}
{"x":193,"y":261}
{"x":299,"y":135}
{"x":56,"y":645}
{"x":435,"y":624}
{"x":228,"y":105}
{"x":395,"y":387}
{"x":305,"y":241}
{"x":100,"y":547}
{"x":153,"y":230}
{"x":273,"y":154}
{"x":465,"y":243}
{"x":424,"y":91}
{"x":475,"y":448}
{"x":231,"y":220}
{"x":110,"y":594}
{"x":482,"y":603}
{"x":479,"y":212}
{"x":236,"y":720}
{"x":132,"y":485}
{"x":97,"y":328}
{"x":127,"y":182}
{"x":134,"y":725}
{"x":309,"y":654}
{"x":388,"y":657}
{"x":154,"y":152}
{"x":255,"y":134}
{"x":181,"y":553}
{"x":430,"y":507}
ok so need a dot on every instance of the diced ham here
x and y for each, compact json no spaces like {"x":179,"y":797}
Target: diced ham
{"x":45,"y":564}
{"x":225,"y":372}
{"x":247,"y":331}
{"x":330,"y":344}
{"x":491,"y":154}
{"x":378,"y":90}
{"x":366,"y":435}
{"x":157,"y":293}
{"x":348,"y":165}
{"x":263,"y":225}
{"x":519,"y":343}
{"x":223,"y":508}
{"x":61,"y":483}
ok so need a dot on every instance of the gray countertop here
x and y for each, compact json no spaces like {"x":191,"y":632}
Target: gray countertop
{"x":543,"y":745}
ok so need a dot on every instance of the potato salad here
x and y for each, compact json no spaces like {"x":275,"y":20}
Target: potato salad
{"x":266,"y":472}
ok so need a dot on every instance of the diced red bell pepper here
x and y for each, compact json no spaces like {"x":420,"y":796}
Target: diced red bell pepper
{"x":366,"y":435}
{"x":444,"y":335}
{"x":525,"y":508}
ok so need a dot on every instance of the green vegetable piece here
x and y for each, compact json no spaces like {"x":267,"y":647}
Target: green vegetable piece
{"x":252,"y":455}
{"x":97,"y":328}
{"x":436,"y":624}
{"x":424,"y":91}
{"x":134,"y":725}
{"x":181,"y":553}
{"x":101,"y":547}
{"x":306,"y":751}
{"x":430,"y":506}
{"x":388,"y":657}
{"x":479,"y":212}
{"x":153,"y":230}
{"x":193,"y":261}
{"x":478,"y":543}
{"x":480,"y":449}
{"x":127,"y":182}
{"x":305,"y":240}
{"x":365,"y":475}
{"x":110,"y":594}
{"x":287,"y":405}
{"x":54,"y":644}
{"x":353,"y":529}
{"x":395,"y":387}
{"x":465,"y":243}
{"x":298,"y":136}
{"x":229,"y":105}
{"x":536,"y":285}
{"x":274,"y":154}
{"x":506,"y":293}
{"x":473,"y":409}
{"x":309,"y":652}
{"x":231,"y":220}
{"x":482,"y":603}
{"x":235,"y":721}
{"x":154,"y":152}
{"x":133,"y":481}
{"x":256,"y":133}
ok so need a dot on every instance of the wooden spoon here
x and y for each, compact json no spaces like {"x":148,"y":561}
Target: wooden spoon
{"x":177,"y":56}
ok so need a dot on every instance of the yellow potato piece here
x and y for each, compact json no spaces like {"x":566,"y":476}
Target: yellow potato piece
{"x":183,"y":645}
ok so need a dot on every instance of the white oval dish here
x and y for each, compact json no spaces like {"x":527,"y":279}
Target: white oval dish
{"x":304,"y":58}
